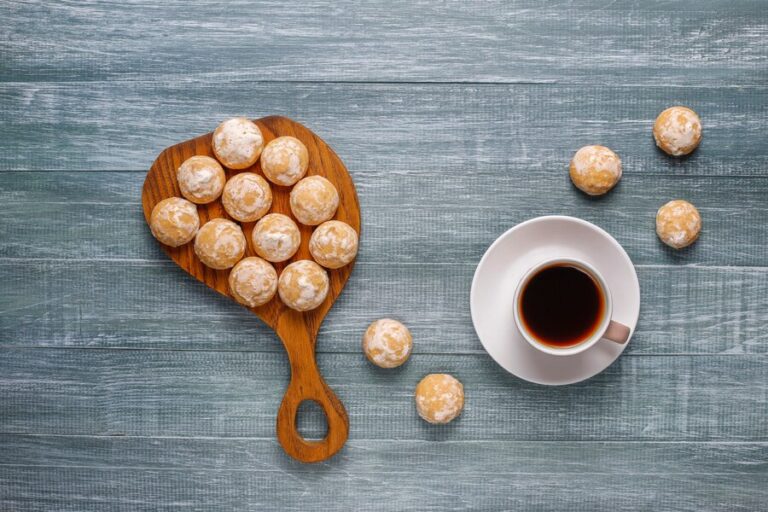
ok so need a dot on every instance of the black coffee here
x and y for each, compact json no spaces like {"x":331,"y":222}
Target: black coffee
{"x":561,"y":305}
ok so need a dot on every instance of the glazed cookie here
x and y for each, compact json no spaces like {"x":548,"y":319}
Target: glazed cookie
{"x":333,"y":244}
{"x":595,"y":170}
{"x":303,"y":285}
{"x":247,"y":197}
{"x":201,"y":179}
{"x":678,"y":223}
{"x":677,"y":131}
{"x":237,"y":143}
{"x":439,"y":398}
{"x":314,"y":200}
{"x":253,"y":282}
{"x":284,"y":160}
{"x":387,"y":343}
{"x":220,"y":243}
{"x":174,"y":221}
{"x":276,"y":237}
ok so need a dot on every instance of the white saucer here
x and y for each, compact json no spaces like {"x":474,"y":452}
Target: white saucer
{"x":505,"y":262}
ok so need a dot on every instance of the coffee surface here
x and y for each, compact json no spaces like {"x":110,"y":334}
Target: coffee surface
{"x":561,"y":305}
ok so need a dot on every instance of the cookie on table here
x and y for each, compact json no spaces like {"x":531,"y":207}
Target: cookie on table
{"x":237,"y":143}
{"x":677,"y":131}
{"x":220,"y":243}
{"x":387,"y":343}
{"x":314,"y":200}
{"x":247,"y":197}
{"x":439,"y":398}
{"x":333,"y":244}
{"x":174,"y":221}
{"x":284,"y":160}
{"x":276,"y":237}
{"x":595,"y":170}
{"x":303,"y":285}
{"x":678,"y":223}
{"x":253,"y":282}
{"x":201,"y":179}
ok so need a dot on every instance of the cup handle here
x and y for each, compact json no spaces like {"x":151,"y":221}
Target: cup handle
{"x":617,"y":333}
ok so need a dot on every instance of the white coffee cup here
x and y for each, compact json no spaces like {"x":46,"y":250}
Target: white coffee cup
{"x":607,"y":329}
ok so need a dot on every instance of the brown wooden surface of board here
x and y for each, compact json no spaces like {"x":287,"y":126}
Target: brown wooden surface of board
{"x":298,"y":331}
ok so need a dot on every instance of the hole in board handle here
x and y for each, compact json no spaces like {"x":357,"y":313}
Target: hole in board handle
{"x":311,"y":423}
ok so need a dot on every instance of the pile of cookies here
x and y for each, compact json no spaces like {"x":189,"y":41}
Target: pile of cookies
{"x":677,"y":131}
{"x":247,"y":197}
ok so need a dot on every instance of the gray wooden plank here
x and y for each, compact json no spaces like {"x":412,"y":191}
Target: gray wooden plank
{"x":409,"y":217}
{"x":389,"y":457}
{"x":419,"y":475}
{"x":72,"y":489}
{"x":625,"y":41}
{"x":119,"y":304}
{"x":444,"y":128}
{"x":184,"y":393}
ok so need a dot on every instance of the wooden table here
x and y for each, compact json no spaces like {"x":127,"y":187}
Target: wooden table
{"x":126,"y":386}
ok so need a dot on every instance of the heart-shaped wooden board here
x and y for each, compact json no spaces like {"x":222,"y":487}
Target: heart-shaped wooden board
{"x":298,"y":331}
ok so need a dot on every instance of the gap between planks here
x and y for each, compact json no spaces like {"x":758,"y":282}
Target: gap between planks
{"x":143,"y":172}
{"x":207,"y":77}
{"x":309,"y":470}
{"x":466,"y":353}
{"x":399,"y":441}
{"x":162,"y":262}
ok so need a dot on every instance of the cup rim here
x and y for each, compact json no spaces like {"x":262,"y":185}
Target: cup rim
{"x":584,"y":345}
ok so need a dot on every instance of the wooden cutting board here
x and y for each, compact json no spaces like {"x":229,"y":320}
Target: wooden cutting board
{"x":298,"y":331}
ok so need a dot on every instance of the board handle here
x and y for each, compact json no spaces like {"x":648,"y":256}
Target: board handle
{"x":307,"y":384}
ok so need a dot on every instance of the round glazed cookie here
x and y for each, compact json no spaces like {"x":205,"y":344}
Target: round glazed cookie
{"x":595,"y":170}
{"x":677,"y":131}
{"x":174,"y":221}
{"x":247,"y":197}
{"x":253,"y":282}
{"x":678,"y":223}
{"x":276,"y":237}
{"x":314,"y":200}
{"x":201,"y":179}
{"x":237,"y":143}
{"x":303,"y":285}
{"x":439,"y":398}
{"x":387,"y":343}
{"x":333,"y":244}
{"x":220,"y":243}
{"x":284,"y":160}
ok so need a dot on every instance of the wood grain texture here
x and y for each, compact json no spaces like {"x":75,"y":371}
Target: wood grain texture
{"x":624,"y":41}
{"x":76,"y":489}
{"x":254,"y":454}
{"x":447,"y":128}
{"x":235,"y":394}
{"x":226,"y":474}
{"x":687,"y":310}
